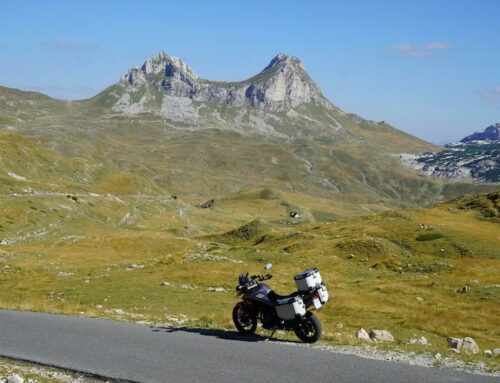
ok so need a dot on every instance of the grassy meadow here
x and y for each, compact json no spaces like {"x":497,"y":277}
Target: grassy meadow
{"x":107,"y":256}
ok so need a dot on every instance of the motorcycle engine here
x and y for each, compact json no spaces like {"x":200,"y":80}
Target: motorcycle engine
{"x":268,"y":318}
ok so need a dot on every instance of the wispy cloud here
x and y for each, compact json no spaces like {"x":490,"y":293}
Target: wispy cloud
{"x":490,"y":94}
{"x":431,"y":49}
{"x":67,"y":45}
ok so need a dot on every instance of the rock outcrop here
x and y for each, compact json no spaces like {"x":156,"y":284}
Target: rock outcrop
{"x":283,"y":84}
{"x":491,"y":133}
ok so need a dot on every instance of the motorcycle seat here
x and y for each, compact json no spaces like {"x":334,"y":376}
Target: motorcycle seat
{"x":275,"y":297}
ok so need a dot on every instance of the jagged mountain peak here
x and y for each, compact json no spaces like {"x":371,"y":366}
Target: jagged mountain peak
{"x":283,"y":59}
{"x":163,"y":62}
{"x":282,"y":85}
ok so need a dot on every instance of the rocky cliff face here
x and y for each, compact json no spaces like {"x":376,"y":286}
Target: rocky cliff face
{"x":282,"y":85}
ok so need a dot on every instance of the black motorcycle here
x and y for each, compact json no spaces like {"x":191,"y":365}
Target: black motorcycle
{"x":260,"y":304}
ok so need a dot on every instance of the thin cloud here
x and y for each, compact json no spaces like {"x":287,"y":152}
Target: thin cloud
{"x":431,"y":49}
{"x":490,"y":94}
{"x":67,"y":45}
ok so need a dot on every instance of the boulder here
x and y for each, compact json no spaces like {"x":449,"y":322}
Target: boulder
{"x":496,"y":352}
{"x":488,"y":353}
{"x":422,"y":341}
{"x":466,"y":345}
{"x":363,"y":335}
{"x":15,"y":378}
{"x":469,"y":346}
{"x":455,"y":343}
{"x":381,"y":335}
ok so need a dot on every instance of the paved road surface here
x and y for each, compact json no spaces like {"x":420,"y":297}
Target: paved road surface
{"x":143,"y":354}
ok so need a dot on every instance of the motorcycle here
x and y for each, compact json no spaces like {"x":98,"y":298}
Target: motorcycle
{"x":260,"y":304}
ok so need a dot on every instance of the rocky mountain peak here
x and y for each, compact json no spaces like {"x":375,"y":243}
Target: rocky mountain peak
{"x":284,"y":59}
{"x":280,"y":86}
{"x":170,"y":65}
{"x":491,"y":133}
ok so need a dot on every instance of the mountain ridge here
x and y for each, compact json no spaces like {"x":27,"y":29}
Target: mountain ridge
{"x":266,"y":136}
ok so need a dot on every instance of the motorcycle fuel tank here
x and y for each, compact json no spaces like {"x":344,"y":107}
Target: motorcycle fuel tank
{"x":260,"y":293}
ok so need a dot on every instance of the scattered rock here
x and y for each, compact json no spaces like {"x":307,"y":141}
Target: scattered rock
{"x":133,"y":266}
{"x":422,"y":341}
{"x":187,"y":287}
{"x":207,"y":204}
{"x":463,"y":290}
{"x":381,"y":335}
{"x":495,"y":286}
{"x":496,"y":352}
{"x":15,"y":378}
{"x":63,"y":274}
{"x":437,"y":355}
{"x":294,"y":214}
{"x":217,"y":289}
{"x":454,"y":350}
{"x":488,"y":353}
{"x":339,"y":326}
{"x":119,"y":311}
{"x":99,"y":307}
{"x":420,"y":299}
{"x":476,"y":281}
{"x":363,"y":335}
{"x":165,"y":283}
{"x":351,"y":256}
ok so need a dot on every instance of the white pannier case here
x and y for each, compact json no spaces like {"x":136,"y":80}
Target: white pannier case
{"x":322,"y":293}
{"x":308,"y":280}
{"x":290,"y":308}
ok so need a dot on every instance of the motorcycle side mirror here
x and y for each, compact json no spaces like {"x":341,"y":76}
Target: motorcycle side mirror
{"x":268,"y":266}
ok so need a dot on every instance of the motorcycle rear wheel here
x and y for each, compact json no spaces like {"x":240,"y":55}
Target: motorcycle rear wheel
{"x":308,"y":328}
{"x":244,"y":320}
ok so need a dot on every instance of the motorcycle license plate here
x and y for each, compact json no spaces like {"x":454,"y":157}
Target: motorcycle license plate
{"x":317,"y":304}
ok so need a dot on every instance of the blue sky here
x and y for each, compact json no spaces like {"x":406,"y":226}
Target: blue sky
{"x":430,"y":68}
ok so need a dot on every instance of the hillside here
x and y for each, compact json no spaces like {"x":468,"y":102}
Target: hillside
{"x":201,"y":139}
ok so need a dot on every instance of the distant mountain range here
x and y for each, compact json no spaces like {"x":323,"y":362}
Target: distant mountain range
{"x":475,"y":157}
{"x":200,"y":139}
{"x":491,"y":133}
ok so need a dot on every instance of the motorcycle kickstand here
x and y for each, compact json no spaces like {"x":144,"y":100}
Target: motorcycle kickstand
{"x":270,"y":336}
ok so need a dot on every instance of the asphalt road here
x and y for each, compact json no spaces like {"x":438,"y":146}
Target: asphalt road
{"x":143,"y":354}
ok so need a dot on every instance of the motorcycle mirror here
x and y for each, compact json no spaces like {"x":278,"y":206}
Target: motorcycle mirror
{"x":268,"y":266}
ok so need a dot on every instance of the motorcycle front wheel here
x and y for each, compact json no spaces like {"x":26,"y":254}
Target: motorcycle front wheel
{"x":244,"y":320}
{"x":308,"y":328}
